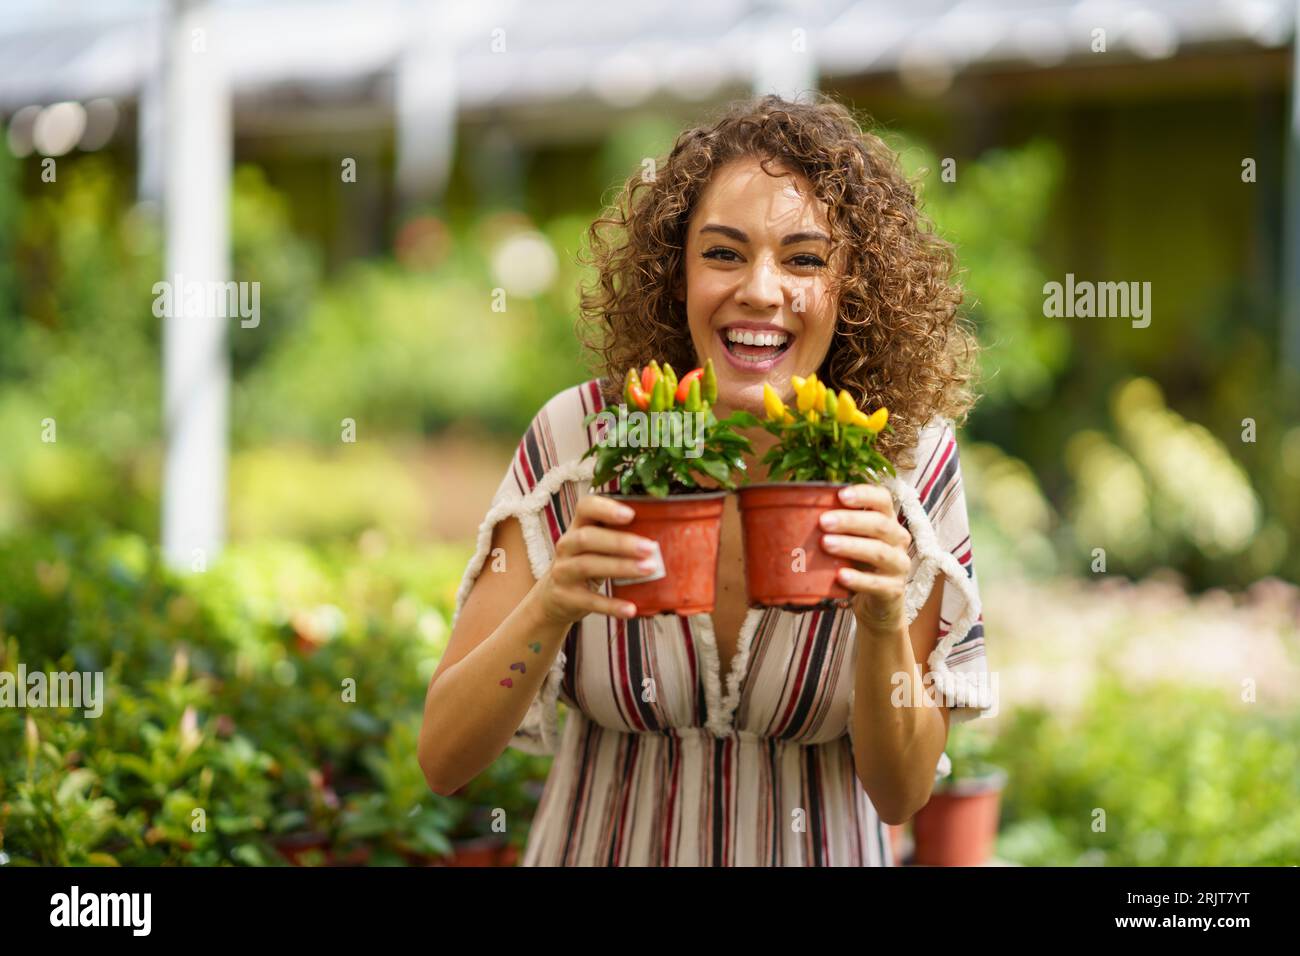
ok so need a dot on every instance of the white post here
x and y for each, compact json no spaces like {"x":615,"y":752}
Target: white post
{"x":425,"y":91}
{"x":196,"y":367}
{"x":784,"y":61}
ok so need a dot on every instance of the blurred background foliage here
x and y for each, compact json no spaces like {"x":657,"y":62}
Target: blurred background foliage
{"x":1096,"y":452}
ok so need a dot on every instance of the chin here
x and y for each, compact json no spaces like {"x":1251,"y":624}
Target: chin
{"x":747,"y":398}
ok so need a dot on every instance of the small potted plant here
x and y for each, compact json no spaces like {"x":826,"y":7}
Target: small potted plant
{"x":667,"y":455}
{"x":829,"y":444}
{"x":959,"y":825}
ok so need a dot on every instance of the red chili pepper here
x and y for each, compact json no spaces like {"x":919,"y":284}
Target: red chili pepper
{"x":649,"y":375}
{"x":684,"y":385}
{"x":632,"y":391}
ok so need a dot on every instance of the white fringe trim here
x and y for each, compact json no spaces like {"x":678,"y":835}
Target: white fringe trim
{"x":740,"y":663}
{"x":963,"y":689}
{"x":702,"y":629}
{"x":539,"y":733}
{"x":721,"y":710}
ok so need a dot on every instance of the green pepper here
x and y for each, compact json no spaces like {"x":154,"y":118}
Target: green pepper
{"x":659,"y":398}
{"x":709,"y":392}
{"x":671,"y":378}
{"x":693,"y":403}
{"x":831,"y":403}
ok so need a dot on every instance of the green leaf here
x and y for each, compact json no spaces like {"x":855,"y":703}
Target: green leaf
{"x":719,"y":471}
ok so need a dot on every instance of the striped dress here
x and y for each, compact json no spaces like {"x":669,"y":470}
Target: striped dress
{"x":660,"y":760}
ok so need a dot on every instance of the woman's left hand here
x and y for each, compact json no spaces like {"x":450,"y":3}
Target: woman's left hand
{"x":867,"y":531}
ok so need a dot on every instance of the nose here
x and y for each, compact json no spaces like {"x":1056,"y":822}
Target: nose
{"x":761,"y":288}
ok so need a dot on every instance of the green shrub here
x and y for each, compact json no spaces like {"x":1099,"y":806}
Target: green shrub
{"x":1184,"y":777}
{"x":276,"y":694}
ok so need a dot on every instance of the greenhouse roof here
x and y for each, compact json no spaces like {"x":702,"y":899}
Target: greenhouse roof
{"x":510,"y":52}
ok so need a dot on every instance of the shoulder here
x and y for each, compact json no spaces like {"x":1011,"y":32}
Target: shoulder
{"x":561,"y":417}
{"x":579,"y":399}
{"x":934,"y":453}
{"x":557,"y":435}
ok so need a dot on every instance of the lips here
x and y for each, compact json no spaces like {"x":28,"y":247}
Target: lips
{"x":755,"y":347}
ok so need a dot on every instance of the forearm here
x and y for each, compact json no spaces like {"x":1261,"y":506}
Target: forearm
{"x":895,"y":748}
{"x":475,"y":706}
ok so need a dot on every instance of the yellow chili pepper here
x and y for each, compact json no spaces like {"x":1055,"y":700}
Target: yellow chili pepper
{"x":844,"y":407}
{"x":806,"y":390}
{"x":772,"y":404}
{"x":877,"y":420}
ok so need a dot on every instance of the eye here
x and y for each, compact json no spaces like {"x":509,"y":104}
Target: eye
{"x":719,"y":253}
{"x":808,"y":259}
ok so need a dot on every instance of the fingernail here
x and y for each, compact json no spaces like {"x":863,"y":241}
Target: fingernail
{"x":645,"y":546}
{"x":625,"y":512}
{"x":848,"y":495}
{"x":629,"y":610}
{"x":830,"y":520}
{"x":646,"y":565}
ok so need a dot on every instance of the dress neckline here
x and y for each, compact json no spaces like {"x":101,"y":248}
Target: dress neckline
{"x":721,"y":710}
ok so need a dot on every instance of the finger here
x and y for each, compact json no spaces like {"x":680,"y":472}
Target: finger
{"x":870,"y":524}
{"x":581,"y":600}
{"x":866,"y":581}
{"x":577,"y":570}
{"x":883,"y":558}
{"x":594,"y":509}
{"x":595,"y":538}
{"x":870,"y":497}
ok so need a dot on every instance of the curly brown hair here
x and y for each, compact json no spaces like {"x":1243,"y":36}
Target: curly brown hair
{"x":899,"y":339}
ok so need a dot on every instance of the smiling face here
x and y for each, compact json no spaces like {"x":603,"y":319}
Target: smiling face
{"x":757,"y":278}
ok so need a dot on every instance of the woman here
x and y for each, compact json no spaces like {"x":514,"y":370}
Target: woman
{"x":779,"y":241}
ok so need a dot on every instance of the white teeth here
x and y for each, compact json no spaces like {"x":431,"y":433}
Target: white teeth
{"x":750,"y":337}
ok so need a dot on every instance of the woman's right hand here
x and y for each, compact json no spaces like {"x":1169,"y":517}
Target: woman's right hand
{"x":588,"y":552}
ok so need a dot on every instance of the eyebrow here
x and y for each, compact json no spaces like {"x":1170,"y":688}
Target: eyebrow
{"x":740,"y":236}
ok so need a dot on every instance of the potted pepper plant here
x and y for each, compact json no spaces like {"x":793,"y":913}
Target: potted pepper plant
{"x":959,"y":824}
{"x":669,"y":457}
{"x":824,"y":445}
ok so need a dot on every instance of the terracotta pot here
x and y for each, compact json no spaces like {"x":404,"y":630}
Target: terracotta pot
{"x":482,"y":851}
{"x":688,"y":529}
{"x":776,"y":519}
{"x":959,"y":826}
